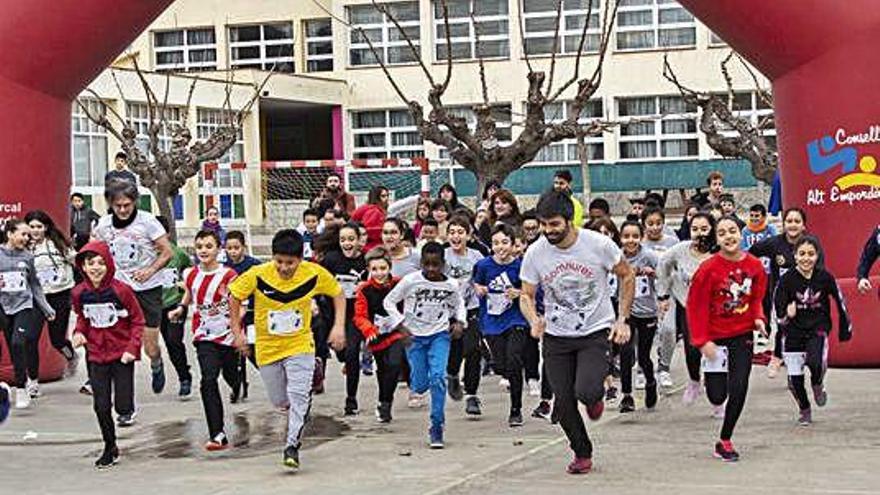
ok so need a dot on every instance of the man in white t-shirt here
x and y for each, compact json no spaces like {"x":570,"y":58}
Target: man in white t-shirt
{"x":140,"y":249}
{"x":572,"y":266}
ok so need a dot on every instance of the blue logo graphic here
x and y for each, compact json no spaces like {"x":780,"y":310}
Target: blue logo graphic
{"x":823,"y":157}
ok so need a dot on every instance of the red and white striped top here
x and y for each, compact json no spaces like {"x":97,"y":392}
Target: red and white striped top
{"x":210,"y":296}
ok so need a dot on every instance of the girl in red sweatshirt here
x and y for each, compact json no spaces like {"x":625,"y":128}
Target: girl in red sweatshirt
{"x":724,"y":308}
{"x":109,"y":322}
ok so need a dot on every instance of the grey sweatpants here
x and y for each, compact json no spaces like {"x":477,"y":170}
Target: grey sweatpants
{"x":666,"y":341}
{"x":288,"y":383}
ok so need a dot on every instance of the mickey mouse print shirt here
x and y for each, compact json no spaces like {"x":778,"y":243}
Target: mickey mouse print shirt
{"x":133,"y":247}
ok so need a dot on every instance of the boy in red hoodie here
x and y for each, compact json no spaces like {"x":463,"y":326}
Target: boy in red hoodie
{"x":724,"y":308}
{"x":109,"y":322}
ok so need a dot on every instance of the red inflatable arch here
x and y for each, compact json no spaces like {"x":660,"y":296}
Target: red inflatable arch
{"x":51,"y":50}
{"x":823,"y":60}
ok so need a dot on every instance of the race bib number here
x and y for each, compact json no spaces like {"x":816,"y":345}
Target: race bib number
{"x":125,"y":253}
{"x":717,"y":365}
{"x":103,"y":315}
{"x":13,"y":282}
{"x":168,"y":277}
{"x":386,"y":324}
{"x":285,"y":323}
{"x":794,"y":362}
{"x":497,"y":303}
{"x":49,"y":276}
{"x":643,"y":286}
{"x":216,"y":324}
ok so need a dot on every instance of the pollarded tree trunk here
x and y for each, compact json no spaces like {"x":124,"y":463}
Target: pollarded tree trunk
{"x":165,"y":201}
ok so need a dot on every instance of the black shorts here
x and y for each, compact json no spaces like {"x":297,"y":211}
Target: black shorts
{"x":151,"y":304}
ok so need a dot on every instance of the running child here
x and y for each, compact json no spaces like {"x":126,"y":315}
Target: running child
{"x":460,"y":262}
{"x":379,"y":331}
{"x":283,"y":291}
{"x":110,"y":324}
{"x":22,"y":306}
{"x":238,"y":259}
{"x":658,"y":240}
{"x":433,"y":309}
{"x":497,"y":284}
{"x":309,"y":229}
{"x":207,"y":288}
{"x":723,"y":310}
{"x":804,"y":298}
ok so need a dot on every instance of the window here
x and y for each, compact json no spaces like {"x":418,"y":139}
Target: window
{"x":647,"y":24}
{"x":385,"y":134}
{"x":715,"y":40}
{"x":492,"y":25}
{"x":207,"y":121}
{"x":388,"y":41}
{"x":185,"y":50}
{"x":540,"y":20}
{"x":89,"y":146}
{"x":669,"y":131}
{"x":750,"y":106}
{"x":503,"y":123}
{"x":139,"y":119}
{"x":262,"y":46}
{"x":319,"y":45}
{"x":227,"y":188}
{"x":566,"y":151}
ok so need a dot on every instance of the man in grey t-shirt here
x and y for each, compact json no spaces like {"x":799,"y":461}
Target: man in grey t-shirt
{"x":572,"y":266}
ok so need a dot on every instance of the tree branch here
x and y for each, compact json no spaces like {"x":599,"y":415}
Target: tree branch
{"x":478,"y":48}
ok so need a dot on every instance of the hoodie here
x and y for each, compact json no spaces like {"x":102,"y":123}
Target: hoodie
{"x":370,"y":316}
{"x":108,"y":315}
{"x":81,"y":223}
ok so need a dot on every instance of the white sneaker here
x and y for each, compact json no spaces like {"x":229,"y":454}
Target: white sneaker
{"x":33,"y":388}
{"x":534,"y":388}
{"x":417,"y":401}
{"x":665,"y":379}
{"x":640,"y":381}
{"x":504,"y":383}
{"x":22,"y":399}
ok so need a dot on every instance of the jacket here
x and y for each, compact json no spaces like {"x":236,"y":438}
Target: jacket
{"x":81,"y":223}
{"x":367,"y":306}
{"x":109,"y":315}
{"x":372,"y":217}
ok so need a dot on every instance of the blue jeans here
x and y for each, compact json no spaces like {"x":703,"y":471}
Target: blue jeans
{"x":428,"y":357}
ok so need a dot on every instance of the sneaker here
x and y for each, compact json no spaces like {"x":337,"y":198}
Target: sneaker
{"x":5,"y":401}
{"x":504,"y":384}
{"x":351,"y":406}
{"x":515,"y":419}
{"x":718,"y":411}
{"x":86,"y":388}
{"x":33,"y":388}
{"x":158,"y":377}
{"x":595,"y":410}
{"x":534,"y":388}
{"x":724,"y":450}
{"x":806,"y":417}
{"x":472,"y":406}
{"x":219,"y":442}
{"x":185,"y":391}
{"x":417,"y":401}
{"x":773,"y":367}
{"x":691,"y":393}
{"x":651,"y":395}
{"x":72,"y":366}
{"x":611,"y":394}
{"x":542,"y":411}
{"x":820,"y":395}
{"x":627,"y":404}
{"x":436,"y":437}
{"x":453,"y":387}
{"x":367,"y":364}
{"x":126,"y":420}
{"x":665,"y":379}
{"x":383,"y":412}
{"x":22,"y":399}
{"x":639,"y":382}
{"x":290,"y":457}
{"x":108,"y":458}
{"x":580,"y":465}
{"x":244,"y":391}
{"x":318,"y":377}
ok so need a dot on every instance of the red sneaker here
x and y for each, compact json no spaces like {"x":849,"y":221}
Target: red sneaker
{"x":580,"y":465}
{"x":220,"y":442}
{"x":595,"y":411}
{"x":724,"y":450}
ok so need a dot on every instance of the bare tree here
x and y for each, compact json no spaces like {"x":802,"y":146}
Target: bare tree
{"x":478,"y":149}
{"x":728,"y":134}
{"x":165,"y":169}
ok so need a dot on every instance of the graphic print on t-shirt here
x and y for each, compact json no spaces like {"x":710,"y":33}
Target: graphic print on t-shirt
{"x":349,"y":282}
{"x":497,"y":301}
{"x":809,"y":299}
{"x":575,"y":294}
{"x":431,"y":306}
{"x":738,"y":288}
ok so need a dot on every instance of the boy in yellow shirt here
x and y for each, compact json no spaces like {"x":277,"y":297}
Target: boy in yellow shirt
{"x":283,"y":290}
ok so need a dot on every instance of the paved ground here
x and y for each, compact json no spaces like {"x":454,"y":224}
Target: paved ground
{"x":51,"y":448}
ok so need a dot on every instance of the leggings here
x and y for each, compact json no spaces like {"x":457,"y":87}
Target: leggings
{"x":61,"y":303}
{"x":389,"y":363}
{"x":643,"y":333}
{"x":507,"y":352}
{"x":532,"y":358}
{"x":691,"y":354}
{"x":815,"y":345}
{"x":733,"y":385}
{"x":351,"y":356}
{"x":22,"y":333}
{"x":172,"y":334}
{"x":467,"y":350}
{"x":111,"y":380}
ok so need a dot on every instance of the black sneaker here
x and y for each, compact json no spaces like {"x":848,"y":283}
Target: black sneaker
{"x":235,"y":396}
{"x":185,"y":391}
{"x":542,"y":411}
{"x":453,"y":387}
{"x":291,"y":457}
{"x":724,"y":450}
{"x":351,"y":406}
{"x":126,"y":420}
{"x":472,"y":406}
{"x":244,"y":391}
{"x":627,"y":404}
{"x":515,"y":419}
{"x":158,"y":377}
{"x":611,"y":394}
{"x":651,"y":395}
{"x":108,"y":458}
{"x":383,"y":412}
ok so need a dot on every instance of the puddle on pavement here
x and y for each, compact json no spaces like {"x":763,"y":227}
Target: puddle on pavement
{"x":250,"y":434}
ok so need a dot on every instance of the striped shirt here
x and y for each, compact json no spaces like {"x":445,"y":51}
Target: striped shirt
{"x":210,"y":296}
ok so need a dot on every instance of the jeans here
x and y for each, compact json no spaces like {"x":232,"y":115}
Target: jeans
{"x":467,"y":349}
{"x":214,"y":360}
{"x":428,"y":357}
{"x":111,"y":380}
{"x":288,"y":383}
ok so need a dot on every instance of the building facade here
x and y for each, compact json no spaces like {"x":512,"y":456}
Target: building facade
{"x":329,"y":99}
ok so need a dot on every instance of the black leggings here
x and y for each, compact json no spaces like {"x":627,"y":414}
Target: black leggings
{"x":577,"y":367}
{"x":815,"y":345}
{"x":389,"y":362}
{"x":22,"y":333}
{"x":692,"y":355}
{"x":532,"y":357}
{"x":351,"y":356}
{"x":467,"y":350}
{"x":172,"y":333}
{"x":111,"y":380}
{"x":733,"y":385}
{"x":643,"y":330}
{"x":61,"y":303}
{"x":214,"y":360}
{"x":507,"y":352}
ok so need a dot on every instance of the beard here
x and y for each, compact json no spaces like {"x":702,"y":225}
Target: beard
{"x":557,"y":238}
